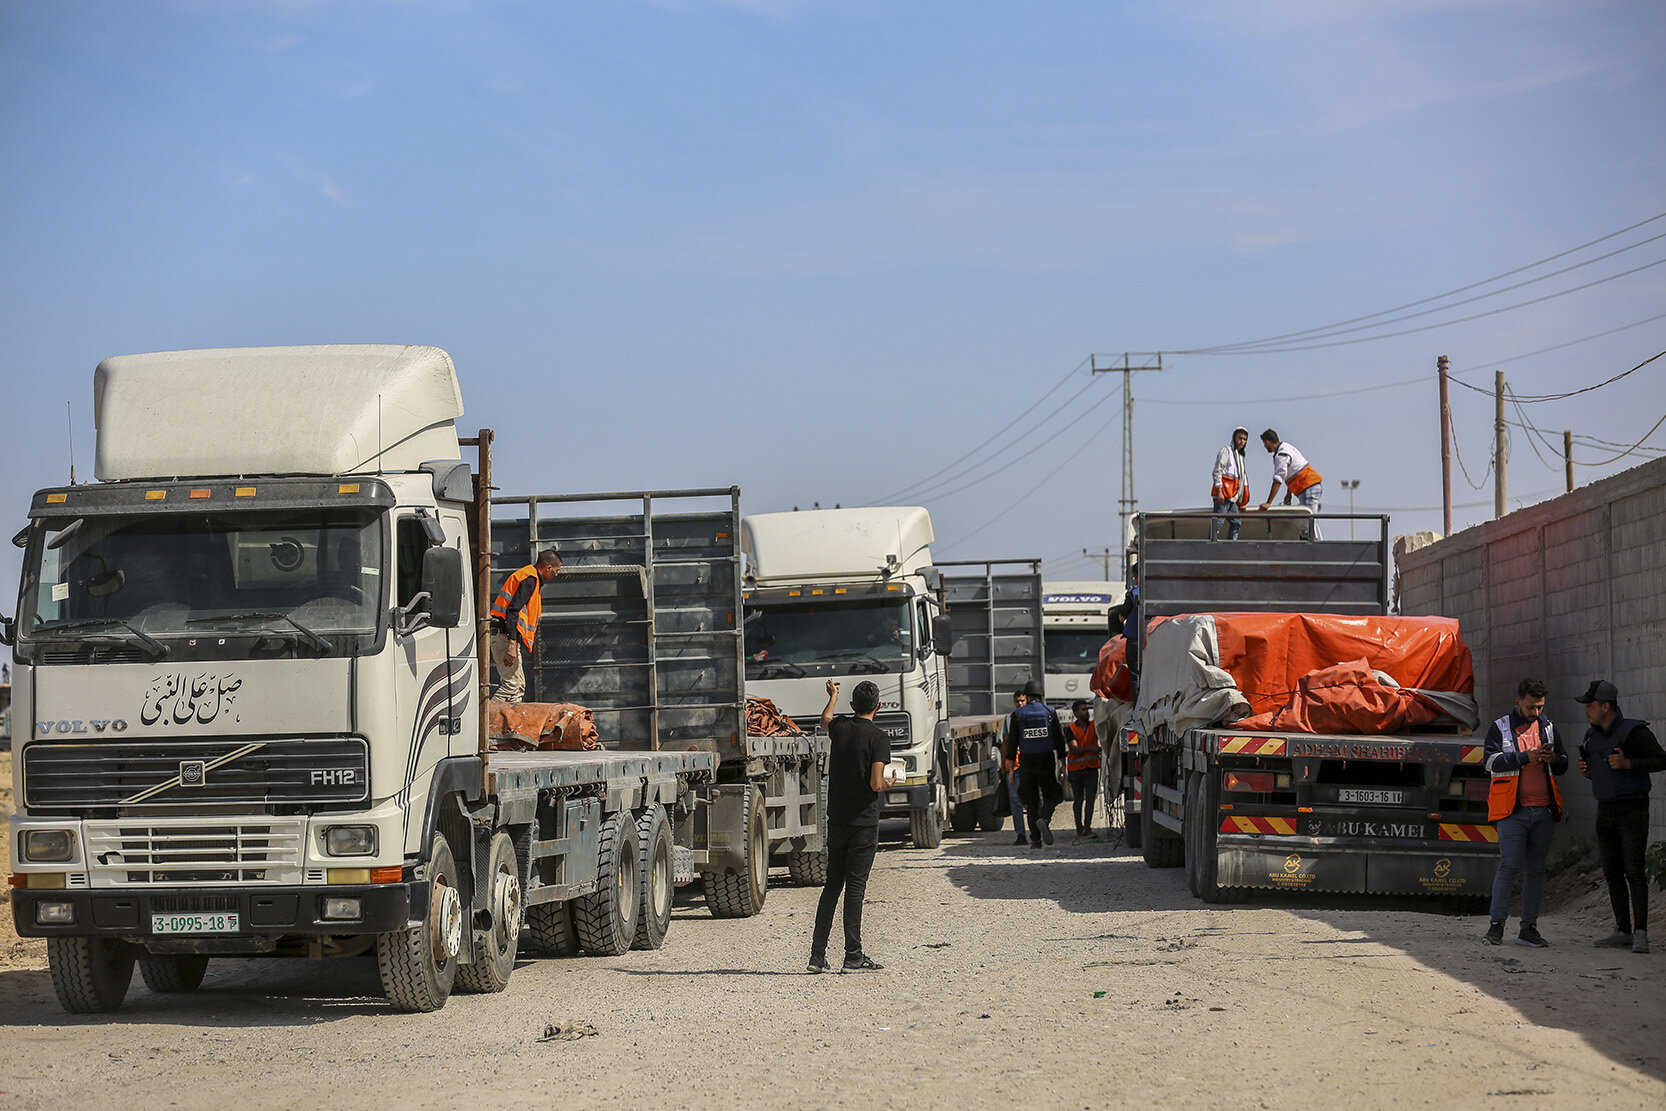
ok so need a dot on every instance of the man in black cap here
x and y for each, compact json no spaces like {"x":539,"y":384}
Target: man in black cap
{"x":1618,"y":756}
{"x":1038,"y":738}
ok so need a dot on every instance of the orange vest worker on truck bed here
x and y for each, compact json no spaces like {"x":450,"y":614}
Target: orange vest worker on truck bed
{"x":515,"y":614}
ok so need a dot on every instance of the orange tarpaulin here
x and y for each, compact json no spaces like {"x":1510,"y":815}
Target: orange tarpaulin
{"x":540,"y":725}
{"x":1347,"y":698}
{"x":1311,"y":672}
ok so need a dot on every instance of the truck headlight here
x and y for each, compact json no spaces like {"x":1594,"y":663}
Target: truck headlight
{"x":350,"y":840}
{"x":48,"y":846}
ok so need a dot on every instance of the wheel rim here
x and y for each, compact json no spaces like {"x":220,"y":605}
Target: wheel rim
{"x":626,"y":880}
{"x":445,"y":921}
{"x":506,"y":894}
{"x":759,"y":862}
{"x":662,"y":881}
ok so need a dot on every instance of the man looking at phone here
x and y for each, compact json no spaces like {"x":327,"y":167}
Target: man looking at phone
{"x":1523,"y":754}
{"x":857,"y":772}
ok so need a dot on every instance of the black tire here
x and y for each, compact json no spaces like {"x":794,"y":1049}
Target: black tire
{"x":1162,"y":849}
{"x":1202,"y":852}
{"x":742,"y":894}
{"x":656,"y":873}
{"x":418,"y":965}
{"x":1132,"y":830}
{"x":807,"y":869}
{"x":170,"y":974}
{"x":606,"y":920}
{"x":925,"y":826}
{"x":990,"y":818}
{"x":89,"y":974}
{"x":549,"y":928}
{"x":963,"y":816}
{"x":494,"y":959}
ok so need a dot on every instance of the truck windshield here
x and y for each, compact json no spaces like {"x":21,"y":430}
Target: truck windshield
{"x":857,"y":637}
{"x":299,"y":574}
{"x":1072,"y":650}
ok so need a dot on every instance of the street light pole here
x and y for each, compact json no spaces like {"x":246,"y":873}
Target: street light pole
{"x":1350,"y":485}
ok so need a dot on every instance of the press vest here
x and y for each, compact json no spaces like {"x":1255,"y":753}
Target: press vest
{"x":1301,"y":474}
{"x":1034,"y":723}
{"x":1079,"y":759}
{"x":526,"y":624}
{"x":1501,"y":796}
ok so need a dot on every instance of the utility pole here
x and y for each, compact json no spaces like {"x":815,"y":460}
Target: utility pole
{"x":1441,"y":364}
{"x":1499,"y":454}
{"x":1129,"y":366}
{"x":1350,"y":485}
{"x":1567,"y":454}
{"x":1104,"y":555}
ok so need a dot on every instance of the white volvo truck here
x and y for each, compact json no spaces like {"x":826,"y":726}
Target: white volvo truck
{"x":853,"y":594}
{"x":1073,"y":624}
{"x":250,"y":696}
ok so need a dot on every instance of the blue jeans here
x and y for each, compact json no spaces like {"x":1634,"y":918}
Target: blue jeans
{"x":1017,"y":805}
{"x":1310,"y":498}
{"x":1225,"y":507}
{"x":1523,"y":848}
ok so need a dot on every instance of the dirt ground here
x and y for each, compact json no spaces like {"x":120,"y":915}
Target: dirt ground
{"x":1073,"y":977}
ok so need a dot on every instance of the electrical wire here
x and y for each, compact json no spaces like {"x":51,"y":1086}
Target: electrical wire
{"x":1251,"y":350}
{"x":1044,"y":480}
{"x":1438,"y":296}
{"x":1588,"y":389}
{"x":1630,"y":449}
{"x":1438,"y":324}
{"x":1017,"y":459}
{"x":906,"y":491}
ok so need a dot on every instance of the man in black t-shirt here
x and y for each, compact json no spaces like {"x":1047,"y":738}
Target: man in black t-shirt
{"x":856,"y":774}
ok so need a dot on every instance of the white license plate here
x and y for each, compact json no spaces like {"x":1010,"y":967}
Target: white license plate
{"x":193,"y":923}
{"x":1348,"y":794}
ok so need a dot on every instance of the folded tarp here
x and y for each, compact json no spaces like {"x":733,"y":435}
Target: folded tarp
{"x":1395,"y":672}
{"x":521,"y":726}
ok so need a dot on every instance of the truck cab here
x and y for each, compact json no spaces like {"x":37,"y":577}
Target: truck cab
{"x":1073,"y":623}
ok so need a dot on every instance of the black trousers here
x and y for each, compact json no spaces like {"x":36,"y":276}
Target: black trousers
{"x":850,"y":853}
{"x":1084,"y":789}
{"x":1038,"y":786}
{"x":1622,"y":835}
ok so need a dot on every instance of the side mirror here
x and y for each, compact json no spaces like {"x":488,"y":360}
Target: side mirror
{"x":942,"y":634}
{"x":8,"y":631}
{"x":442,"y":581}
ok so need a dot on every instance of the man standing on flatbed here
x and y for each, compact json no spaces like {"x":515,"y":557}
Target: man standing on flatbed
{"x":1292,"y":470}
{"x":515,"y":614}
{"x":857,"y":772}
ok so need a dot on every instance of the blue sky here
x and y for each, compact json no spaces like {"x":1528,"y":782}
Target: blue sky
{"x":822,"y":250}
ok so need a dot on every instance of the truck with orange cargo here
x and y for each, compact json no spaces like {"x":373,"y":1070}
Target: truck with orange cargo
{"x":1285,"y":733}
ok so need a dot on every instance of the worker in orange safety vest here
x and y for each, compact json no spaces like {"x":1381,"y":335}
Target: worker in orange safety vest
{"x":1229,"y":487}
{"x":515,"y":614}
{"x":1292,"y":470}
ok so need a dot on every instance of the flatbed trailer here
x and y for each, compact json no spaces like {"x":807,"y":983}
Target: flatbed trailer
{"x":974,"y":772}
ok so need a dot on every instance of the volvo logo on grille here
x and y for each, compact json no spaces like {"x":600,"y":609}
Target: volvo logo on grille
{"x":192,"y":773}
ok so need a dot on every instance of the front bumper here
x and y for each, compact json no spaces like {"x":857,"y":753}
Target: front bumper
{"x":896,"y":802}
{"x":265,"y":913}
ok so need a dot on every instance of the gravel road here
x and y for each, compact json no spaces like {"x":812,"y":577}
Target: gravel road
{"x":1073,"y":977}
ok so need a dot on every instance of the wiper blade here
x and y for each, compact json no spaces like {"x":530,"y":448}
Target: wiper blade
{"x":313,"y":638}
{"x":156,"y":648}
{"x":865,"y":658}
{"x":782,"y":667}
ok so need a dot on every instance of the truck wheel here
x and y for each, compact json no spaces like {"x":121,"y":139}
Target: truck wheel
{"x":963,"y":816}
{"x":1132,"y":833}
{"x":550,"y":929}
{"x":170,"y":974}
{"x":606,"y":920}
{"x":1162,"y":849}
{"x":418,"y":965}
{"x":807,"y":869}
{"x":89,"y":974}
{"x":1203,"y":853}
{"x":925,"y":827}
{"x":742,"y":895}
{"x":1191,"y":822}
{"x":495,"y":959}
{"x":990,"y":818}
{"x":653,"y":832}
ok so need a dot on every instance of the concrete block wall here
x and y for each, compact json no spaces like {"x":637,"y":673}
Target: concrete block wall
{"x":1569,"y":590}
